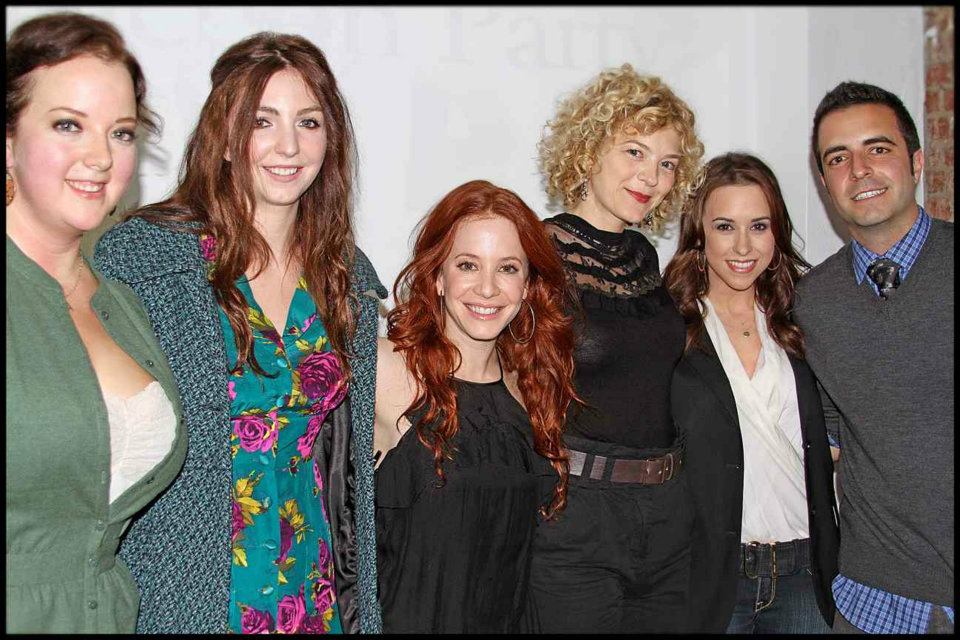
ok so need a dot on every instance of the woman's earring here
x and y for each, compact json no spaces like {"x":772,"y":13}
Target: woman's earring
{"x":583,"y":191}
{"x":11,"y":188}
{"x":701,"y":264}
{"x":533,"y":320}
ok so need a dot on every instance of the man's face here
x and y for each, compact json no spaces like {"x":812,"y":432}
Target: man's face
{"x":867,"y":170}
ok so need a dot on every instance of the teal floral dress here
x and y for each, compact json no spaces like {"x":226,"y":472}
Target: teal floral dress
{"x":282,"y":576}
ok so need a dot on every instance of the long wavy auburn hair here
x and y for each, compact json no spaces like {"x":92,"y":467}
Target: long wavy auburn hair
{"x":544,"y":365}
{"x":218,"y":193}
{"x":774,"y":289}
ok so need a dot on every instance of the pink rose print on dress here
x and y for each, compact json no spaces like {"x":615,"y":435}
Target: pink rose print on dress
{"x":291,"y":610}
{"x":323,"y":598}
{"x":286,"y":540}
{"x":323,"y":595}
{"x":317,"y":478}
{"x":231,"y":390}
{"x":313,"y":625}
{"x":254,"y":431}
{"x":237,"y":523}
{"x":255,"y":621}
{"x":321,"y":380}
{"x":323,"y":556}
{"x":306,"y":323}
{"x":208,"y":248}
{"x":305,"y":442}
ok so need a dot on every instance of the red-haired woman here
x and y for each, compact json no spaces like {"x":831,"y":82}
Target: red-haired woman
{"x":255,"y":289}
{"x":765,"y":539}
{"x":473,"y":382}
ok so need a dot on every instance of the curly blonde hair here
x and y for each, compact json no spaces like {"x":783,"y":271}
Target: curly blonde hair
{"x":615,"y":101}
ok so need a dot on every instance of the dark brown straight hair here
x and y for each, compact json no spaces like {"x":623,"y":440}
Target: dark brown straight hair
{"x":774,"y":288}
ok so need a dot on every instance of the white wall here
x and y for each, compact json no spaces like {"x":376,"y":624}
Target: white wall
{"x":440,"y":96}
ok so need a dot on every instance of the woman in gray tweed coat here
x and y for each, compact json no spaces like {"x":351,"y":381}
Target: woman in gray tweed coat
{"x":262,"y":210}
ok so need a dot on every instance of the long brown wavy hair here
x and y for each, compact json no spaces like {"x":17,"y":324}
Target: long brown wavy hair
{"x":219,"y":194}
{"x":544,"y":365}
{"x":774,"y":291}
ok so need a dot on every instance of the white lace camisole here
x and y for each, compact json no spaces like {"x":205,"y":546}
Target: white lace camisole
{"x":142,"y":430}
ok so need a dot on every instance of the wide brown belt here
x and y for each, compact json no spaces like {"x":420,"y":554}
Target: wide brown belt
{"x":647,"y":471}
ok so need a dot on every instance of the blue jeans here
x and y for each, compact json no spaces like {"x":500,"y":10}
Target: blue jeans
{"x":781,"y":603}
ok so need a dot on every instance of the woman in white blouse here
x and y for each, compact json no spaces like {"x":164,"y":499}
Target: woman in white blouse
{"x":759,"y":466}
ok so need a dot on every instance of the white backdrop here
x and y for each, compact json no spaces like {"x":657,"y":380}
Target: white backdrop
{"x":439,"y":96}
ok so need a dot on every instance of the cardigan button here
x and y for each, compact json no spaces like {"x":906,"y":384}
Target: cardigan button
{"x":150,"y":480}
{"x":101,"y":525}
{"x":149,"y":363}
{"x":106,"y":316}
{"x":92,"y":604}
{"x":92,"y":561}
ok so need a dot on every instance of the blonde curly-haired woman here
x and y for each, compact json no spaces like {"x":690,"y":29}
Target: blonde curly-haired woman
{"x":621,"y":151}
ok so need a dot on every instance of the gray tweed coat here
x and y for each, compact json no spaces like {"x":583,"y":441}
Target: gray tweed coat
{"x":179,"y":549}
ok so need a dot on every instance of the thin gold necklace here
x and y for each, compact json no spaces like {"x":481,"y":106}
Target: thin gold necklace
{"x":67,"y":294}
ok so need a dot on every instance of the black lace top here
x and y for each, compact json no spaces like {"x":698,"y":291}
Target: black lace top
{"x":629,"y":335}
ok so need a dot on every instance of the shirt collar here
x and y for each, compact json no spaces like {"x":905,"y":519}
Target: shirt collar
{"x":904,"y":252}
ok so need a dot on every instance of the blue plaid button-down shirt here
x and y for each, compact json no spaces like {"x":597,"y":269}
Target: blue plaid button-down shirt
{"x":870,"y":609}
{"x":904,"y":252}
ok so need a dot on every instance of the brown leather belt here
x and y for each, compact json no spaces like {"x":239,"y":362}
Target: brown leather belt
{"x":648,"y":471}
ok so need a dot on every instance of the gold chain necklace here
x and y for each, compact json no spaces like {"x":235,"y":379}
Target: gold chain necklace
{"x":67,"y":294}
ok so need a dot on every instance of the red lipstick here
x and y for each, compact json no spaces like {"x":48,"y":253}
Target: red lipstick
{"x":639,"y":197}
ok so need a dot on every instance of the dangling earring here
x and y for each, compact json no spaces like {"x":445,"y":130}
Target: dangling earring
{"x":11,"y":188}
{"x":583,"y":191}
{"x":701,"y":266}
{"x":648,"y":219}
{"x":533,"y":318}
{"x":779,"y":261}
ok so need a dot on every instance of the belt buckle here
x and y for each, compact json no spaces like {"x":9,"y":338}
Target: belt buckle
{"x":667,"y":468}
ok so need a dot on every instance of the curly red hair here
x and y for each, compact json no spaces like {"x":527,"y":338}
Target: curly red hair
{"x":544,"y":365}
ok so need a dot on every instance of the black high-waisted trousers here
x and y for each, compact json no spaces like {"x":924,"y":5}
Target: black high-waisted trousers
{"x":616,"y":559}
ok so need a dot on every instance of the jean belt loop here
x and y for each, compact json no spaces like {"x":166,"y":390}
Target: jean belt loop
{"x":751,"y":550}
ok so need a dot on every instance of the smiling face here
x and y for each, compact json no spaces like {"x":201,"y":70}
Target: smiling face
{"x":72,"y":152}
{"x":738,"y":238}
{"x":288,"y":144}
{"x":867,"y":172}
{"x":636,"y":171}
{"x":483,"y":281}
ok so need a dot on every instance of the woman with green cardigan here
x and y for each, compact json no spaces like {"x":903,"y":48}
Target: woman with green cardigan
{"x":93,"y":424}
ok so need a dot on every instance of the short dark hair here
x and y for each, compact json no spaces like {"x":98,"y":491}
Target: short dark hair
{"x":848,"y":94}
{"x":58,"y":37}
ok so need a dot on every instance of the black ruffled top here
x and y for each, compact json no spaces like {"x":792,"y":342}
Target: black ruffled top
{"x":629,"y":335}
{"x":456,"y":558}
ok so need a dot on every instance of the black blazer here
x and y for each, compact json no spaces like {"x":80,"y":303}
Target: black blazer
{"x":705,"y":413}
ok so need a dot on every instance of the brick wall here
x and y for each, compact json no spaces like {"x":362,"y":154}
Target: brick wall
{"x":938,"y":111}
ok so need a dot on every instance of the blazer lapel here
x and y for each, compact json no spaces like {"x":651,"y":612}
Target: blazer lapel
{"x":707,"y":365}
{"x":806,"y":388}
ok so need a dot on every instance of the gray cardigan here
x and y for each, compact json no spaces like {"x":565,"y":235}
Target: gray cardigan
{"x":179,"y":550}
